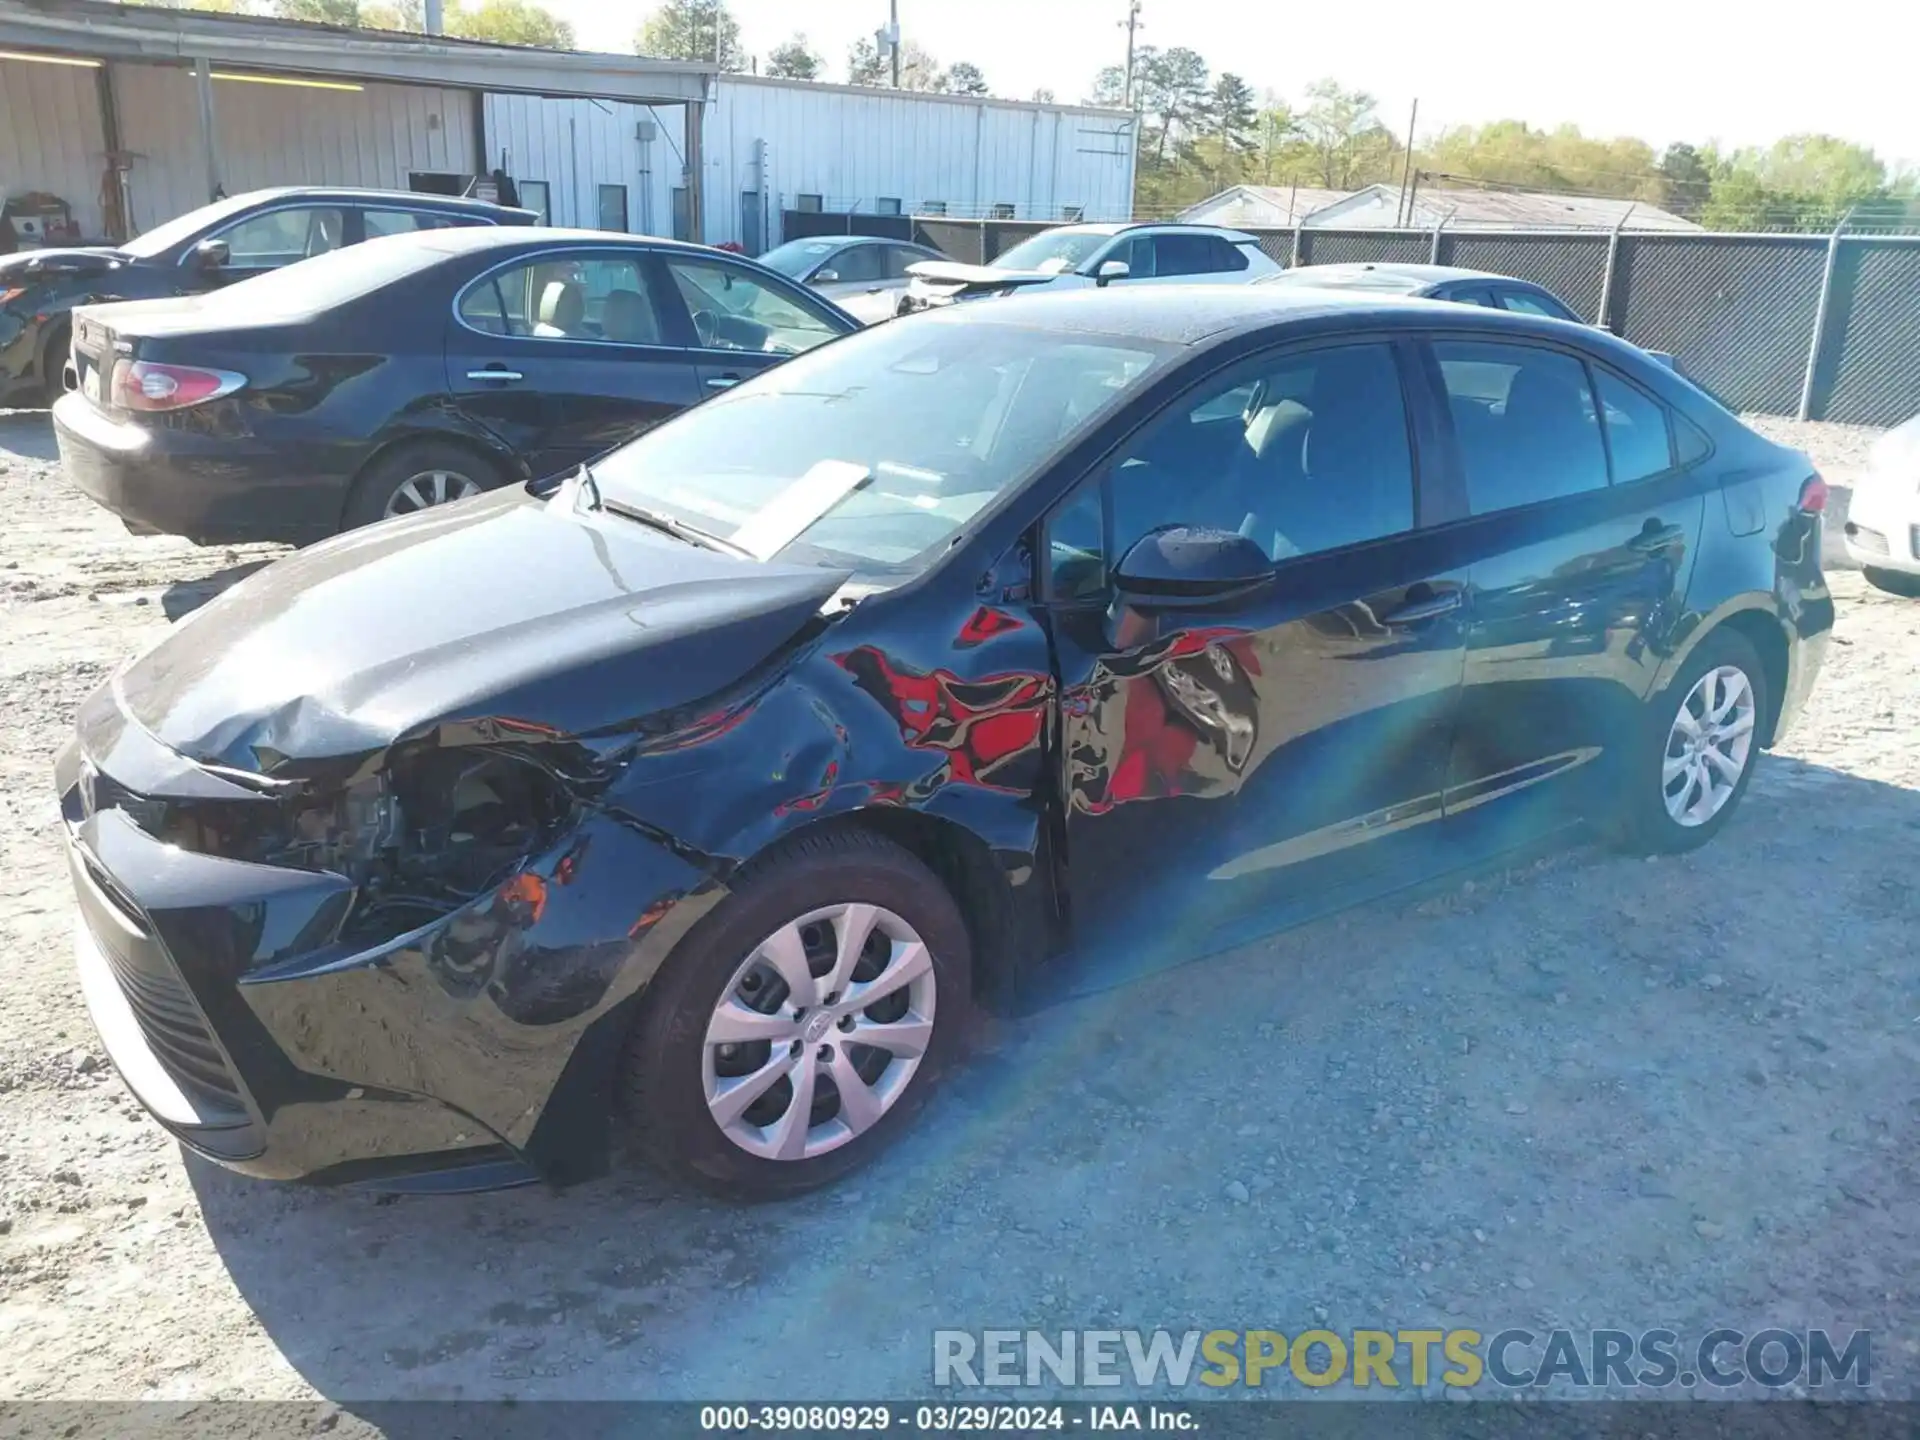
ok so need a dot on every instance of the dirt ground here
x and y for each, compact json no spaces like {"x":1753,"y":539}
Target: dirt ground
{"x":1591,"y":1092}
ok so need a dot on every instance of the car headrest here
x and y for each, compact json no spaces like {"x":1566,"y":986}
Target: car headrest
{"x":563,"y":305}
{"x":627,"y":317}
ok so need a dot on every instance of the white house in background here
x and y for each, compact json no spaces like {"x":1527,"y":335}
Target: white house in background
{"x":1381,"y":207}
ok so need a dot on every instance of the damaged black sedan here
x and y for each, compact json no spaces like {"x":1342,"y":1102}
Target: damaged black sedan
{"x":986,"y":654}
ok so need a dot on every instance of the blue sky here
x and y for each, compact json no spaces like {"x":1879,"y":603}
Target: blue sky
{"x":1742,"y":73}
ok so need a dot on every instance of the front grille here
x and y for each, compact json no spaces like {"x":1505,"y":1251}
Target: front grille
{"x":176,"y":1034}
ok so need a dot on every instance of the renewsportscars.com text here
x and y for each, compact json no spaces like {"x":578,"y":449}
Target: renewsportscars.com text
{"x":1390,"y":1359}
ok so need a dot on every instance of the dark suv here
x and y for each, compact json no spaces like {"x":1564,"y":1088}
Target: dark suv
{"x":217,"y":244}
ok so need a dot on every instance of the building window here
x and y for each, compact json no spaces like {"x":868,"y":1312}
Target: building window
{"x":808,"y":204}
{"x":1073,"y":214}
{"x":534,"y":197}
{"x":1001,"y":211}
{"x":887,"y":205}
{"x":933,"y":207}
{"x":613,"y":208}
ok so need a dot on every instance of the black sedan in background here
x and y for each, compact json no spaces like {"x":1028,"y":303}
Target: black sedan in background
{"x":216,"y":245}
{"x":1001,"y":651}
{"x":407,"y":372}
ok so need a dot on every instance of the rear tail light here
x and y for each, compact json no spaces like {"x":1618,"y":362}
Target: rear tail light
{"x":1813,"y":496}
{"x":147,"y":385}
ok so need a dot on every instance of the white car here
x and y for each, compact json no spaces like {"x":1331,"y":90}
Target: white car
{"x":1079,"y":255}
{"x":1883,"y":518}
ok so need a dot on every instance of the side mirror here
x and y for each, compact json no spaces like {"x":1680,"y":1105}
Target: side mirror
{"x":211,"y":254}
{"x":1183,"y":564}
{"x":1111,"y":270}
{"x":825,"y":277}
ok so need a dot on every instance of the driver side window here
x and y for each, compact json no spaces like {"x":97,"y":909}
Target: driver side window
{"x":732,"y":310}
{"x":1301,"y":453}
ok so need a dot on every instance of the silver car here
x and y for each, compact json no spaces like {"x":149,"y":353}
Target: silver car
{"x":865,"y":275}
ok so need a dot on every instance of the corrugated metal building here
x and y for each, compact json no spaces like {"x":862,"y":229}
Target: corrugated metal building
{"x":1384,"y":207}
{"x":773,"y":145}
{"x":292,"y":103}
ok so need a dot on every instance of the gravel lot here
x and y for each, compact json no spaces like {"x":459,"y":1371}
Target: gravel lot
{"x":1587,"y":1092}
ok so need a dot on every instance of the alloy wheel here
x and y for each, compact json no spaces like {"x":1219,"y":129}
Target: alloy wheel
{"x":1709,"y":747}
{"x":430,"y":488}
{"x":818,"y":1032}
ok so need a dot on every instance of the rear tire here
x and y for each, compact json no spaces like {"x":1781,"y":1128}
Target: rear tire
{"x":54,"y":349}
{"x":1686,"y":776}
{"x":678,"y":1070}
{"x":1894,"y":582}
{"x":399,"y":481}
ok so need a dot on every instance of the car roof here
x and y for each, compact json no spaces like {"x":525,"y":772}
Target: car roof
{"x":1118,"y":227}
{"x":1204,"y":315}
{"x":465,"y":241}
{"x":412,"y":198}
{"x":1407,"y":279}
{"x":841,"y":242}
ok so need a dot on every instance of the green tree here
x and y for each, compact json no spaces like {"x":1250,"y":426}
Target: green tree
{"x":1109,"y":87}
{"x":693,"y":30}
{"x":327,"y":12}
{"x":1043,"y":96}
{"x":510,"y":22}
{"x":866,"y":65}
{"x":1824,"y":168}
{"x":1172,"y":90}
{"x":1232,"y":115}
{"x":965,"y":79}
{"x":795,"y":60}
{"x":1342,"y":131}
{"x":919,"y":70}
{"x":1686,"y":179}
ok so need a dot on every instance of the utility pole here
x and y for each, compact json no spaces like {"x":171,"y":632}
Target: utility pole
{"x":893,"y":33}
{"x":1406,"y":170}
{"x":1132,"y":23}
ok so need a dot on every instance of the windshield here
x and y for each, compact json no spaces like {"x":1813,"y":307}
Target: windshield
{"x":797,"y":258}
{"x":185,"y":227}
{"x":1052,"y":251}
{"x":874,"y":451}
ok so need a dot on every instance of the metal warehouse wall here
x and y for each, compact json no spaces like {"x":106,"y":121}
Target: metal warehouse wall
{"x":576,"y":146}
{"x":51,"y":138}
{"x":283,"y":135}
{"x":854,"y":147}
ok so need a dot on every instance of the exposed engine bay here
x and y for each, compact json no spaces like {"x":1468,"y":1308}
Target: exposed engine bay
{"x":433,"y":830}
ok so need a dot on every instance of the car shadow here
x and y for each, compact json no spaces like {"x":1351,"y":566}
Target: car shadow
{"x":1091,"y":1129}
{"x":29,"y":433}
{"x":183,"y":597}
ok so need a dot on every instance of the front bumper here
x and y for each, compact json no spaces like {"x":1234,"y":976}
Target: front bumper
{"x":211,"y":488}
{"x":475,"y":1052}
{"x":1883,"y":527}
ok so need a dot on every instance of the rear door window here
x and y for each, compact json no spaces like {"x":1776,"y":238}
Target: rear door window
{"x":1175,"y":254}
{"x":1637,"y":431}
{"x":1528,"y":302}
{"x":1525,"y":421}
{"x":856,"y":262}
{"x":405,"y":222}
{"x":603,"y":298}
{"x":280,"y":237}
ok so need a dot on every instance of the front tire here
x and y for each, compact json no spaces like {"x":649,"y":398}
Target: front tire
{"x":1697,"y":753}
{"x":1894,"y":582}
{"x":418,"y":476}
{"x":800,"y":1027}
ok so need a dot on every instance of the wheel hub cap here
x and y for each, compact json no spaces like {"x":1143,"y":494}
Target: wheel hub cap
{"x":1709,"y":747}
{"x":430,"y":488}
{"x":818,"y":1032}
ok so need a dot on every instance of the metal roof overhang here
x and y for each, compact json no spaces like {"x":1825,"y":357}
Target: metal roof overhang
{"x":97,"y":29}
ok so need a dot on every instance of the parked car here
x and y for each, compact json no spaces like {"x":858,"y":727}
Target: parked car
{"x":865,"y":275}
{"x":215,"y":245}
{"x":407,"y":372}
{"x":1070,"y":257}
{"x":1883,"y":518}
{"x":1442,"y":282}
{"x":711,"y":784}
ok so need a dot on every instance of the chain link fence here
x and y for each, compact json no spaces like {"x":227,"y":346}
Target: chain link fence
{"x":1739,"y":313}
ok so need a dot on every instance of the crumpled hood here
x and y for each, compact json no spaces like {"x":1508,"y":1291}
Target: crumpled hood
{"x":81,"y":260}
{"x":954,"y":274}
{"x":508,"y":609}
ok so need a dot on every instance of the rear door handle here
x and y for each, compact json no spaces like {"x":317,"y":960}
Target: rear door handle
{"x":722,"y":382}
{"x":1427,"y":609}
{"x":496,"y":372}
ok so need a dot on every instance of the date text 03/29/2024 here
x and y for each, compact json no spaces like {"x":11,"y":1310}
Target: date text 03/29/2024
{"x":947,"y":1418}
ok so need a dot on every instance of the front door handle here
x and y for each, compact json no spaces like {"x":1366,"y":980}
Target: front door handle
{"x":722,"y":382}
{"x":1434,"y":605}
{"x":496,"y":372}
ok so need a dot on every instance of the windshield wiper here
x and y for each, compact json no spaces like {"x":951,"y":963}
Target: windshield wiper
{"x":679,"y":529}
{"x":591,"y":485}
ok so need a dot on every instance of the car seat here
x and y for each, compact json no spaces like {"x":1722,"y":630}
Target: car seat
{"x":626,"y":317}
{"x":563,"y":309}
